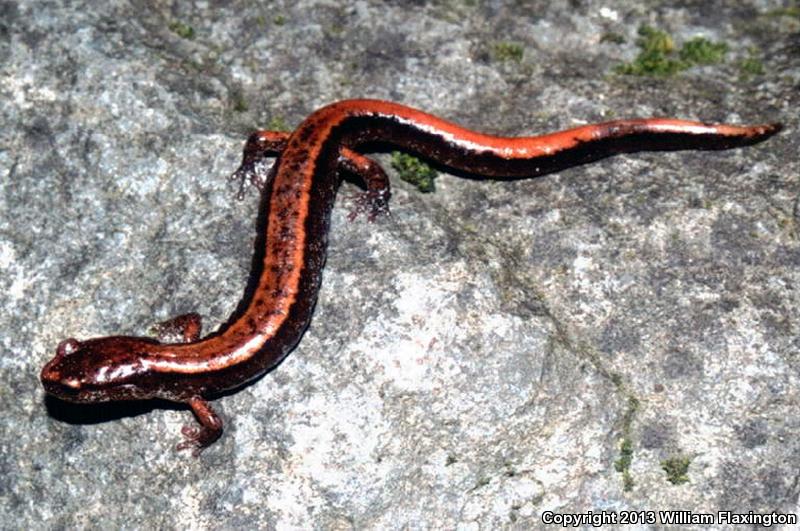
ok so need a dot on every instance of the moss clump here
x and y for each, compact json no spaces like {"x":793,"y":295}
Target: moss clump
{"x":701,"y":51}
{"x":182,"y":29}
{"x":414,"y":171}
{"x":277,"y":123}
{"x":655,"y":57}
{"x":507,"y":52}
{"x":752,"y":64}
{"x":658,"y":56}
{"x":623,"y":463}
{"x":676,"y":469}
{"x":793,"y":12}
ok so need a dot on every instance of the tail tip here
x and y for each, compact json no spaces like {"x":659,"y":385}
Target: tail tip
{"x":754,"y":134}
{"x":768,"y":130}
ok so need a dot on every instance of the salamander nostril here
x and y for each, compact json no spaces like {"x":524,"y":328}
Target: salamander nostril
{"x":49,"y":375}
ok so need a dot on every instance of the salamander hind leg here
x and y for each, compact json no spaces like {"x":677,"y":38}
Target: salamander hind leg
{"x":210,"y":429}
{"x":261,"y":145}
{"x":374,"y":201}
{"x":254,"y":169}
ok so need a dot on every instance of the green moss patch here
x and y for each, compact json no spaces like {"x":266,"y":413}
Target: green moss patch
{"x":277,"y":123}
{"x":182,"y":29}
{"x":414,"y":171}
{"x":659,"y":56}
{"x":676,"y":469}
{"x":623,"y":463}
{"x":701,"y":51}
{"x":507,"y":52}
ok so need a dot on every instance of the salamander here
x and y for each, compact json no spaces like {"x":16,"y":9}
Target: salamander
{"x":298,"y":195}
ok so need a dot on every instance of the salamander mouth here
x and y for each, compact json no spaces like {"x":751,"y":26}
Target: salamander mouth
{"x":67,"y":391}
{"x":89,"y":394}
{"x":71,"y":389}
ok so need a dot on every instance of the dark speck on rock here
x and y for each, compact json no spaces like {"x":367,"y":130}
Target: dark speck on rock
{"x":753,"y":433}
{"x":656,"y":435}
{"x":681,"y":364}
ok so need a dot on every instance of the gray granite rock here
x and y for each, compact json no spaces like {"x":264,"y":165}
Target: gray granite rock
{"x":488,"y":353}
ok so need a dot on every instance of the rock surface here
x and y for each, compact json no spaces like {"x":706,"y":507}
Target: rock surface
{"x":490,"y":352}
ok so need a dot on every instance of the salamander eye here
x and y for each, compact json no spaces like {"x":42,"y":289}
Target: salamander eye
{"x":68,"y":347}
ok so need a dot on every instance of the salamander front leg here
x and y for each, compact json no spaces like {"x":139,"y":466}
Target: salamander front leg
{"x":185,"y":329}
{"x":181,"y":329}
{"x":210,"y":429}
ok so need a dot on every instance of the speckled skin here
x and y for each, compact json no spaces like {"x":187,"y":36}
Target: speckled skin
{"x":298,"y":197}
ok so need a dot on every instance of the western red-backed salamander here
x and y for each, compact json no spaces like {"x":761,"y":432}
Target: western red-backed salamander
{"x":299,"y":193}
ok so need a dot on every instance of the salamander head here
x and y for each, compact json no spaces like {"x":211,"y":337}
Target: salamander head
{"x":98,"y":370}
